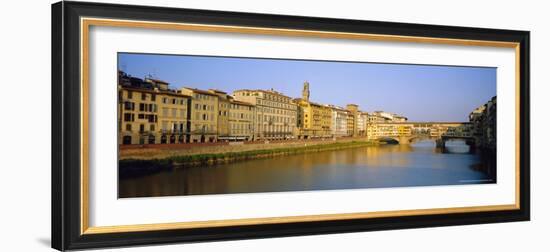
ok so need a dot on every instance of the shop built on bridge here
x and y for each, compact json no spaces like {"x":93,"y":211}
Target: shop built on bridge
{"x":410,"y":132}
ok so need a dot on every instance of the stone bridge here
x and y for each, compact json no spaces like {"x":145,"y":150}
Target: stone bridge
{"x":408,"y":132}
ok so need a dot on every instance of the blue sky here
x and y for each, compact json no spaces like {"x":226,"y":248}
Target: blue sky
{"x":420,"y":92}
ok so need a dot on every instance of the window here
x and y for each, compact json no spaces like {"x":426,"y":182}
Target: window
{"x":141,"y":128}
{"x":153,"y":97}
{"x":174,"y":101}
{"x":128,"y":105}
{"x":141,"y":116}
{"x":128,"y":127}
{"x":128,"y":117}
{"x":164,"y":100}
{"x":143,"y":96}
{"x":127,"y":140}
{"x":129,"y":94}
{"x":142,"y":107}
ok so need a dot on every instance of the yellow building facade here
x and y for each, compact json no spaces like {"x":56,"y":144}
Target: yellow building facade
{"x":353,"y":115}
{"x":152,"y":116}
{"x":203,"y":115}
{"x":223,"y":113}
{"x":314,"y":120}
{"x":275,"y":114}
{"x":241,"y":121}
{"x":173,"y":117}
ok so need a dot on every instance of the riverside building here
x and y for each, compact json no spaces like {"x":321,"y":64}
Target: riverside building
{"x":352,"y":119}
{"x":483,"y":121}
{"x":241,"y":121}
{"x":203,"y":115}
{"x":339,"y":125}
{"x":275,"y":114}
{"x":223,"y":114}
{"x":362,"y":123}
{"x":149,"y":112}
{"x":314,"y":120}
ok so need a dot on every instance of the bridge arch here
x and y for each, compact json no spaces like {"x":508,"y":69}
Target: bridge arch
{"x":388,"y":139}
{"x":407,"y":139}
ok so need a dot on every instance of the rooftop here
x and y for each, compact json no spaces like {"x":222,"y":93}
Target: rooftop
{"x":198,"y":91}
{"x":156,"y":80}
{"x":217,"y":91}
{"x":273,"y":92}
{"x":241,"y":103}
{"x":155,"y":91}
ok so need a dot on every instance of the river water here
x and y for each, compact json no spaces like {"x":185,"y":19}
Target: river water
{"x":418,"y":164}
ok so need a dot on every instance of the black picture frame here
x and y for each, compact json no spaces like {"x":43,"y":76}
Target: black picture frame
{"x":66,"y":124}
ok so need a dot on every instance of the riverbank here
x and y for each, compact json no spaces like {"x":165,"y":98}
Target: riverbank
{"x":148,"y":162}
{"x":162,"y":151}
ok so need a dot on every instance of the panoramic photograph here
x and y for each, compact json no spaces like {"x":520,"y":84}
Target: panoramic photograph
{"x":203,"y":125}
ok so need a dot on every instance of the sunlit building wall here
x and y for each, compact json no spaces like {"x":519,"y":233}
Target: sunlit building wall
{"x":276,"y":114}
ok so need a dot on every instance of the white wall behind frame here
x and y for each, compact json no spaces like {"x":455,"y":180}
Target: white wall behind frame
{"x":25,"y":50}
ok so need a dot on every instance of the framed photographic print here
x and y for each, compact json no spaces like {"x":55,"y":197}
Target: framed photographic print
{"x":180,"y":125}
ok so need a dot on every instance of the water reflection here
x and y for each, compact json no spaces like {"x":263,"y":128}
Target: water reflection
{"x":418,"y":164}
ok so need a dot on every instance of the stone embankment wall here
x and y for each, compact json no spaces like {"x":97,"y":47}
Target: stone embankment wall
{"x":160,"y":151}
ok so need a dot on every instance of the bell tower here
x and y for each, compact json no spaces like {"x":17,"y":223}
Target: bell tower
{"x":305,"y":92}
